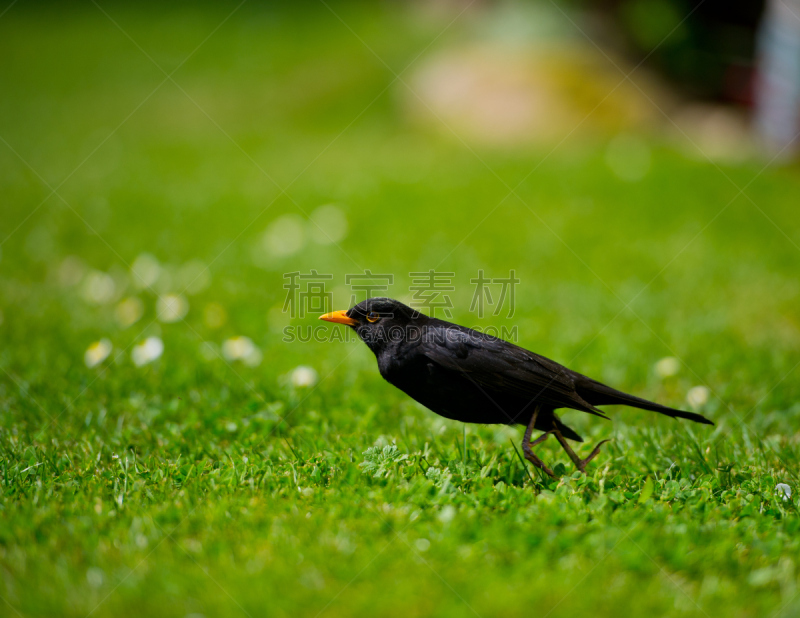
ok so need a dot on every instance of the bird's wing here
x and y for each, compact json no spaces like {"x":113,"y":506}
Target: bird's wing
{"x":501,"y":368}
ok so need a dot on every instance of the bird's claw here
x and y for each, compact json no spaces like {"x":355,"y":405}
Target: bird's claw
{"x":581,"y":464}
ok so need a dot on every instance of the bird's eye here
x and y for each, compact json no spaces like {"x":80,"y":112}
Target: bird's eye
{"x":373,"y":317}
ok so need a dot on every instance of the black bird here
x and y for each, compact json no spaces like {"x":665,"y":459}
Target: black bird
{"x":473,"y":377}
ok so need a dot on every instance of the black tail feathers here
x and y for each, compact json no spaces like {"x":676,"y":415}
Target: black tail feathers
{"x":599,"y":394}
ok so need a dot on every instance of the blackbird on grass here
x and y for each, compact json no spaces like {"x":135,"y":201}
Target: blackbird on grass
{"x":472,"y":377}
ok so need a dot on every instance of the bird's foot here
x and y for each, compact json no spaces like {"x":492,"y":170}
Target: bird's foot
{"x":542,"y":466}
{"x":531,"y":456}
{"x":579,"y":463}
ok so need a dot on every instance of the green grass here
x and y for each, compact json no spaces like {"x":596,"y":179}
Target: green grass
{"x":197,"y":486}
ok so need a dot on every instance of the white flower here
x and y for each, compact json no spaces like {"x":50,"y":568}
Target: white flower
{"x":71,"y":271}
{"x":697,"y":396}
{"x":129,"y":311}
{"x":145,"y":270}
{"x":285,"y":236}
{"x":99,"y":288}
{"x":242,"y":349}
{"x":97,"y":352}
{"x":784,"y":491}
{"x":172,"y":308}
{"x":668,"y":366}
{"x":447,"y":514}
{"x":328,"y":224}
{"x":146,"y":352}
{"x":303,"y":376}
{"x":95,"y":577}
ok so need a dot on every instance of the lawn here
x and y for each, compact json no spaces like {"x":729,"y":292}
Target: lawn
{"x":163,"y":168}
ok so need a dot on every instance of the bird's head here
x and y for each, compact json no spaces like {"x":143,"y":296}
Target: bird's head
{"x":379,"y":321}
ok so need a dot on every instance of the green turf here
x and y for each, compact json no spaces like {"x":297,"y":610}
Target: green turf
{"x":193,"y":485}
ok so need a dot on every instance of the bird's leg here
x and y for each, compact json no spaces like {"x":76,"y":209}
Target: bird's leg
{"x":572,"y":454}
{"x":579,"y":463}
{"x":527,"y":445}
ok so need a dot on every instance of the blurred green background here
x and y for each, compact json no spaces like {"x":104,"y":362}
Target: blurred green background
{"x":166,"y":451}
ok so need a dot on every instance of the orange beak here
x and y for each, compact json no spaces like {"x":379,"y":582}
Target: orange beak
{"x":340,"y":317}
